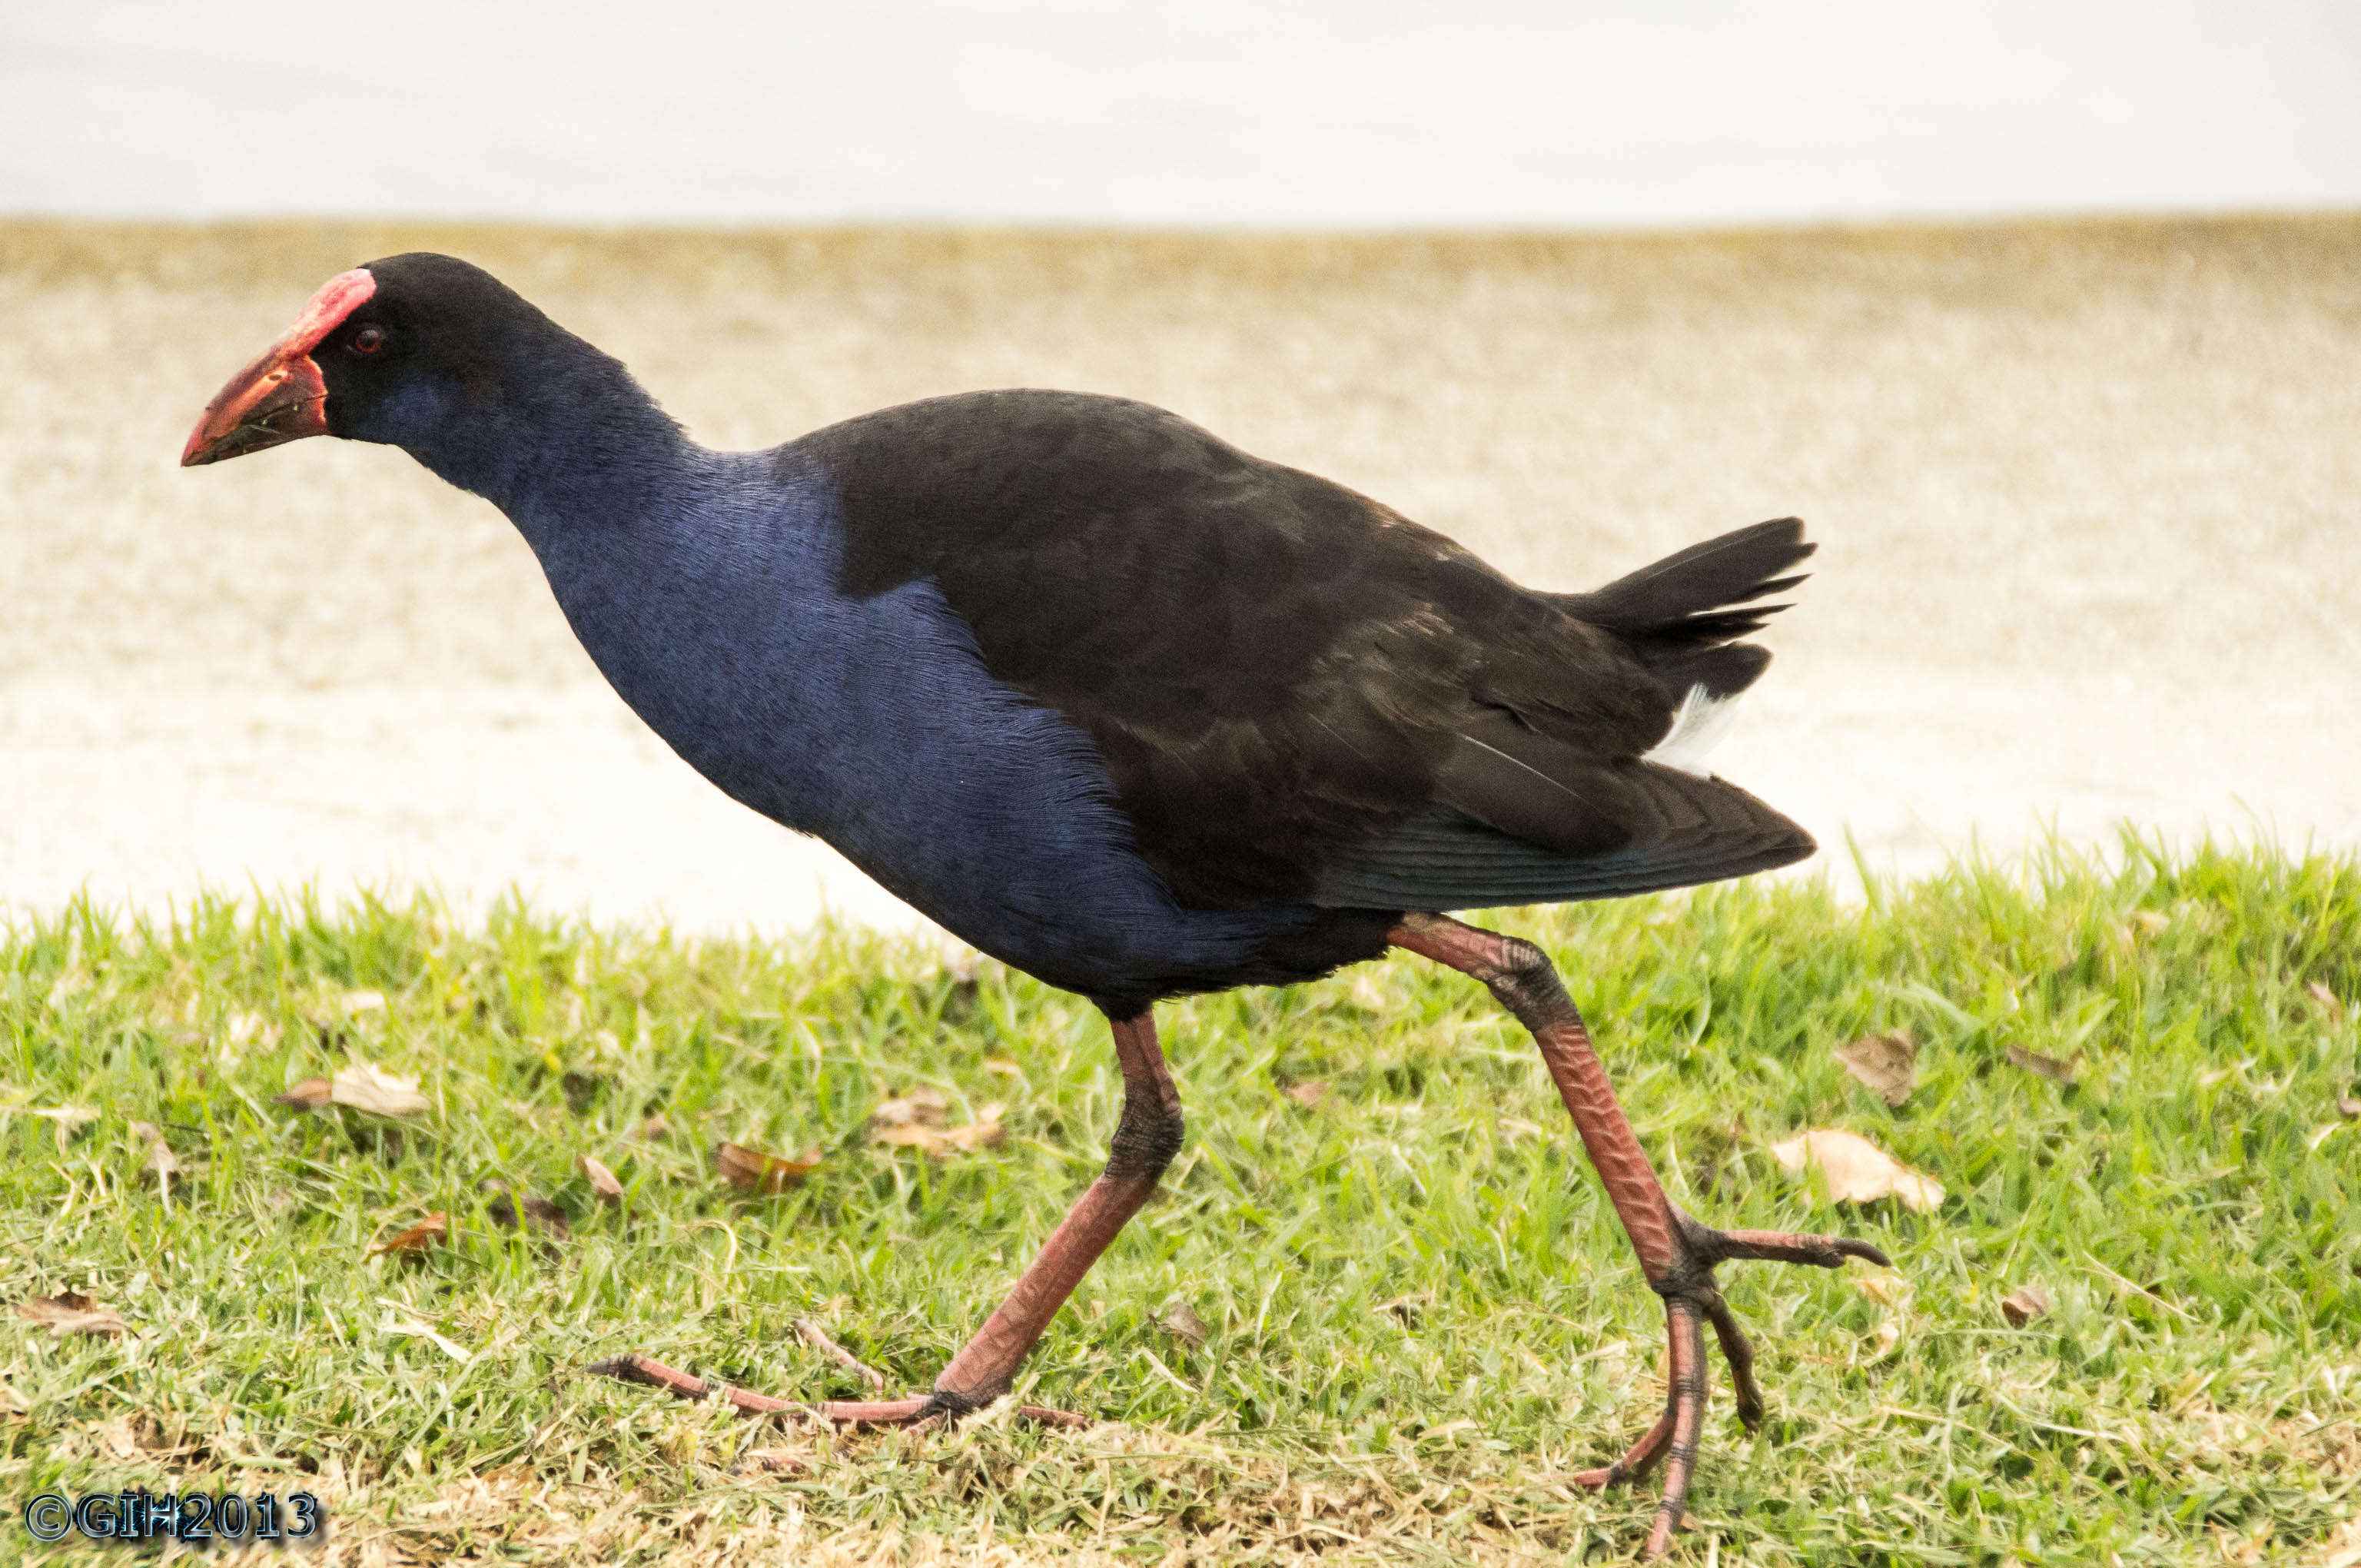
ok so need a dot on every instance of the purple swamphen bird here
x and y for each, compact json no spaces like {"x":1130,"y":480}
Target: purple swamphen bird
{"x":1113,"y":701}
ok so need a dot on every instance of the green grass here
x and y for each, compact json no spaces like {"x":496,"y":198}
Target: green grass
{"x":2192,"y":1396}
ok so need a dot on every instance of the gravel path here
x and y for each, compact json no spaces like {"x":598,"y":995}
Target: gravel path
{"x":2089,"y":496}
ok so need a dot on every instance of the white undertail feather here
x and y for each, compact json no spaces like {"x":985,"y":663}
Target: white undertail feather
{"x":1696,"y":728}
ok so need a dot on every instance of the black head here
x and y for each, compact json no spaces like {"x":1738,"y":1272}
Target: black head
{"x":420,"y":351}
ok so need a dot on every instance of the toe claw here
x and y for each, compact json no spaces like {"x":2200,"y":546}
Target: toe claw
{"x":1863,"y":1251}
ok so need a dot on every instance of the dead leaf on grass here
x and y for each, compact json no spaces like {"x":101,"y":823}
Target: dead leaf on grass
{"x":1884,"y":1340}
{"x":773,"y":1461}
{"x":1887,"y":1063}
{"x":2326,"y":998}
{"x":142,"y":1436}
{"x":2023,"y":1304}
{"x":362,"y":1086}
{"x":161,"y":1158}
{"x":752,"y":1170}
{"x":2065,"y":1072}
{"x":72,"y":1313}
{"x":939,"y":1140}
{"x":308,"y":1095}
{"x":2348,"y":1107}
{"x":1856,"y":1170}
{"x":602,"y":1180}
{"x":367,"y":1088}
{"x":1308,"y":1095}
{"x":537,"y":1213}
{"x":654,"y":1127}
{"x":1181,"y":1321}
{"x":920,"y":1107}
{"x":420,"y":1238}
{"x":1886,"y":1289}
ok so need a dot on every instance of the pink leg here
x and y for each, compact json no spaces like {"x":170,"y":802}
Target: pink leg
{"x":1146,"y":1139}
{"x":1676,"y":1252}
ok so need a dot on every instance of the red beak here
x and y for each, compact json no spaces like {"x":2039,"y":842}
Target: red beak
{"x":281,"y":397}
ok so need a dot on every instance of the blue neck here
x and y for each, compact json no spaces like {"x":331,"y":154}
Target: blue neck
{"x":569,"y":443}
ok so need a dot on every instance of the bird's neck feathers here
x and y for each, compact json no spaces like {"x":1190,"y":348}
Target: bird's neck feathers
{"x":553,"y":432}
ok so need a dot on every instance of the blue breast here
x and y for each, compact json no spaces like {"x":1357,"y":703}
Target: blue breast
{"x":872,"y":723}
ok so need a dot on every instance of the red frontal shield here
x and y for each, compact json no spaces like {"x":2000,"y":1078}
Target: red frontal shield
{"x":281,"y":397}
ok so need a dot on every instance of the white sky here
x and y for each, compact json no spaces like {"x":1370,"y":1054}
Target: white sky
{"x":1202,"y":111}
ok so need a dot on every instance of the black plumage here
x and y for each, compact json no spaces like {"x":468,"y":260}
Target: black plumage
{"x":1299,"y":695}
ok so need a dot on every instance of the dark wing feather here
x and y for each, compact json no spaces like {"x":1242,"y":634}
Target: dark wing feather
{"x":1442,"y":859}
{"x":1286,"y":681}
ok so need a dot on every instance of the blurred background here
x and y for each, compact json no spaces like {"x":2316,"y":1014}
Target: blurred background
{"x":2044,"y":316}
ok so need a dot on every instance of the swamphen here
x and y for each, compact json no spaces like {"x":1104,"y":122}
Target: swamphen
{"x":1113,"y":701}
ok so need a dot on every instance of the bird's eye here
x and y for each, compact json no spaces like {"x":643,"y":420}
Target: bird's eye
{"x":368,"y":340}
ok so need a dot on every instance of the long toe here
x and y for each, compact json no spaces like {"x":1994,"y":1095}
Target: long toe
{"x":930,"y":1409}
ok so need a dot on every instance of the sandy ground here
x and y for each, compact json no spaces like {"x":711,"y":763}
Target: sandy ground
{"x":2089,"y":498}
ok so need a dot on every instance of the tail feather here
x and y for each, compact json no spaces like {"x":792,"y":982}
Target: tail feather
{"x":1685,"y":615}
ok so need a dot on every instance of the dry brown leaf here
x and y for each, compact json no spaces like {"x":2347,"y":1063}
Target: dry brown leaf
{"x":1885,"y":1290}
{"x":367,"y":1087}
{"x":2047,"y":1066}
{"x":1307,"y":1094}
{"x":1885,"y":1063}
{"x":1856,"y":1170}
{"x":919,"y":1108}
{"x":66,"y":1120}
{"x":419,"y":1238}
{"x":308,"y":1095}
{"x":72,"y":1313}
{"x":602,"y":1180}
{"x":654,"y":1127}
{"x":985,"y":1129}
{"x":1884,"y":1340}
{"x":2325,"y":997}
{"x":752,"y":1170}
{"x":2348,"y":1107}
{"x":1181,"y":1321}
{"x":161,"y":1158}
{"x":2023,"y":1304}
{"x":537,"y":1213}
{"x":772,"y":1462}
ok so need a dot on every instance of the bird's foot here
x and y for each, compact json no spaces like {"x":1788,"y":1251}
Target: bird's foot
{"x":1692,"y":1300}
{"x":942,"y":1407}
